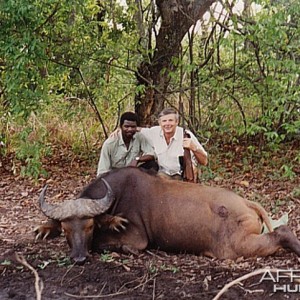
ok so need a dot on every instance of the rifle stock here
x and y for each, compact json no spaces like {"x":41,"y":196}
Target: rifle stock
{"x":188,"y":172}
{"x":186,"y":160}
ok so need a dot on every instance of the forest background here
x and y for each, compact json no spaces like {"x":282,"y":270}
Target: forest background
{"x":68,"y":69}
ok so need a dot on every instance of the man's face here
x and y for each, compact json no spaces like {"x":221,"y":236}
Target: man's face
{"x":168,"y":123}
{"x":128,"y":129}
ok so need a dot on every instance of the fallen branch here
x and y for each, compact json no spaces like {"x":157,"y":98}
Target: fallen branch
{"x":39,"y":285}
{"x":62,"y":279}
{"x":154,"y":285}
{"x":119,"y":292}
{"x":238,"y":280}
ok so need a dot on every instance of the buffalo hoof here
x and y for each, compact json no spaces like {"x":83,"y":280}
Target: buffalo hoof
{"x":49,"y":230}
{"x":118,"y":223}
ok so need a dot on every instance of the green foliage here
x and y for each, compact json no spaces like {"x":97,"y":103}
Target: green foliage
{"x":59,"y":259}
{"x":22,"y":53}
{"x":172,"y":269}
{"x":5,"y":262}
{"x":277,"y":206}
{"x":250,"y":86}
{"x":44,"y":264}
{"x":70,"y":60}
{"x":287,"y":172}
{"x":207,"y":174}
{"x":2,"y":145}
{"x":30,"y":153}
{"x":154,"y":267}
{"x":296,"y":192}
{"x":50,"y":49}
{"x":106,"y":257}
{"x":65,"y":57}
{"x":64,"y":262}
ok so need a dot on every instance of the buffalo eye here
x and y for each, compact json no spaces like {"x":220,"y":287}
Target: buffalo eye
{"x":89,"y":228}
{"x":89,"y":225}
{"x":65,"y":230}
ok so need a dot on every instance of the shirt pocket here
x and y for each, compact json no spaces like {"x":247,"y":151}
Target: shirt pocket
{"x":135,"y":150}
{"x":160,"y":150}
{"x":119,"y":160}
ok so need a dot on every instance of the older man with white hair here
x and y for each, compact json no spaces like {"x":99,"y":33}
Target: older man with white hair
{"x":169,"y":142}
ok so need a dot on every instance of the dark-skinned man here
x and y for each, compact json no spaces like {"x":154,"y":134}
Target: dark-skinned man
{"x":128,"y":148}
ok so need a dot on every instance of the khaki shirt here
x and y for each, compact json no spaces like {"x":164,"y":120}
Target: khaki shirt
{"x":168,"y":155}
{"x":114,"y":153}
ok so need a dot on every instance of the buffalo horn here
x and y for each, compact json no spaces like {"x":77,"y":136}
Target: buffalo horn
{"x":80,"y":207}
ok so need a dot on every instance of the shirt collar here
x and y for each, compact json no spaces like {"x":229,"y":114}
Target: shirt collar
{"x":120,"y":138}
{"x":176,"y":136}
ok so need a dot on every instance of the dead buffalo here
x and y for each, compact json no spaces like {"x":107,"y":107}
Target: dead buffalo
{"x":169,"y":215}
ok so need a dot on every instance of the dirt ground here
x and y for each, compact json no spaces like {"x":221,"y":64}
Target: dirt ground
{"x":150,"y":275}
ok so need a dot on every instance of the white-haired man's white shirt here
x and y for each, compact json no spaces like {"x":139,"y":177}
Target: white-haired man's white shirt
{"x":168,"y":155}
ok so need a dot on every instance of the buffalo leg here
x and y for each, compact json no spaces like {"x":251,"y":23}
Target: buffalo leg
{"x":51,"y":229}
{"x":111,"y":222}
{"x":269,"y":243}
{"x":288,"y":240}
{"x":129,"y":241}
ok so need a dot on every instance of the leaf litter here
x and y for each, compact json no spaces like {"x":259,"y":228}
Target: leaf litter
{"x":152,"y":274}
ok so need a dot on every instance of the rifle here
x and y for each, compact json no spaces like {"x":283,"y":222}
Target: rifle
{"x":186,"y":163}
{"x":188,"y":172}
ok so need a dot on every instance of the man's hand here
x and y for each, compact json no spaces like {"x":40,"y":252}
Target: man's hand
{"x":115,"y":133}
{"x":189,"y":144}
{"x":198,"y":152}
{"x":133,"y":163}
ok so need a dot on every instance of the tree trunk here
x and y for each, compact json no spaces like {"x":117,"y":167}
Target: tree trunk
{"x":177,"y":16}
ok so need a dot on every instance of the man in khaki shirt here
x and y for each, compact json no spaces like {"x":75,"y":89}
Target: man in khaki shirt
{"x":127,"y":148}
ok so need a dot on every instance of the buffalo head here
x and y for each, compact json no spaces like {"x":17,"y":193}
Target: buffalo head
{"x":77,"y":219}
